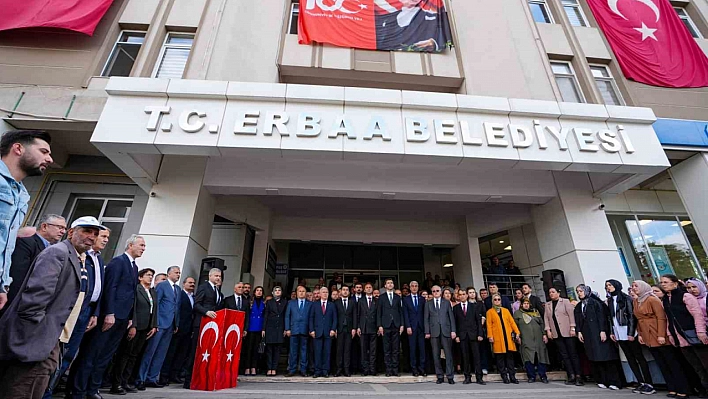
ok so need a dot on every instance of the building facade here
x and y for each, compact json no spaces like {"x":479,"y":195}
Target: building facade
{"x":204,"y":126}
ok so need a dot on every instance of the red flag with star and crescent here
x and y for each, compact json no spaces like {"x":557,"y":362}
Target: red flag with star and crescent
{"x":218,"y":351}
{"x":651,"y":43}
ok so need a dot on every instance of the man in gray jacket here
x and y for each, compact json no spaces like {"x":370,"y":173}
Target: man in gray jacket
{"x":440,"y":329}
{"x":42,"y":316}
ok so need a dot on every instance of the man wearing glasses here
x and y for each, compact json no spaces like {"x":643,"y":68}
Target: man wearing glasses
{"x":440,"y":330}
{"x":50,"y":231}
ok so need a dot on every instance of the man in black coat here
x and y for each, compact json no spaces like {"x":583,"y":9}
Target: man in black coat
{"x":206,"y":302}
{"x":470,"y":332}
{"x":390,"y":321}
{"x":49,"y":232}
{"x":346,"y":315}
{"x":174,"y":361}
{"x":535,"y":301}
{"x":239,"y":301}
{"x":366,"y":329}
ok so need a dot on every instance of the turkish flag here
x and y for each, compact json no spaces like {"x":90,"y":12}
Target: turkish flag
{"x":218,"y":351}
{"x":651,"y":43}
{"x":344,"y":23}
{"x":77,"y":15}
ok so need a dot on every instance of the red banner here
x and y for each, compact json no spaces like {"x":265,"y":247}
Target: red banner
{"x":218,"y":352}
{"x":77,"y":15}
{"x":407,"y":25}
{"x":651,"y":43}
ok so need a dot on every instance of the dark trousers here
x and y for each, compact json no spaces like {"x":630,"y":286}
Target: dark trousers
{"x":505,"y":363}
{"x":126,"y":362}
{"x":697,"y":357}
{"x":531,"y":368}
{"x":356,"y":354}
{"x":640,"y":368}
{"x":569,"y":354}
{"x":391,"y":348}
{"x":71,"y":349}
{"x":310,"y":355}
{"x":444,"y":343}
{"x":272,"y":356}
{"x":344,"y":351}
{"x":405,"y":359}
{"x":485,"y":353}
{"x":298,"y":348}
{"x":368,"y":353}
{"x":416,"y":343}
{"x":470,"y":356}
{"x":250,"y":350}
{"x":606,"y":373}
{"x":667,"y":358}
{"x":194,"y":343}
{"x":176,"y":356}
{"x":27,"y":380}
{"x":95,"y":357}
{"x":321,"y":347}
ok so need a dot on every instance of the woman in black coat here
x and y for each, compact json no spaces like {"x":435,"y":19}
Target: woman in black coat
{"x":274,"y":328}
{"x":592,"y":324}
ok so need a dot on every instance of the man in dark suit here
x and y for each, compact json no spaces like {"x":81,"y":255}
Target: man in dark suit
{"x":366,"y":329}
{"x":49,"y":232}
{"x":535,"y":301}
{"x":346,"y":313}
{"x":297,"y":320}
{"x":470,"y":333}
{"x":413,"y":318}
{"x":323,"y":326}
{"x":88,"y":318}
{"x":494,"y":289}
{"x":207,"y":301}
{"x":390,"y":321}
{"x":42,"y":317}
{"x":176,"y":355}
{"x":239,"y":301}
{"x":440,"y":329}
{"x":121,"y":281}
{"x":168,"y":297}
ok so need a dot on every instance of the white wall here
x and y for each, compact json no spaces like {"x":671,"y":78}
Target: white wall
{"x":227,"y":243}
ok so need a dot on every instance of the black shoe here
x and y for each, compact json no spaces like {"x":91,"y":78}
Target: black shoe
{"x":130,"y":388}
{"x":141,"y":386}
{"x":177,"y":380}
{"x":308,"y":374}
{"x":415,"y":374}
{"x":184,"y":386}
{"x":579,"y":381}
{"x":480,"y":381}
{"x":570,"y":381}
{"x":94,"y":396}
{"x":451,"y":381}
{"x":467,"y":380}
{"x":532,"y":380}
{"x":289,"y":374}
{"x":303,"y":375}
{"x":423,"y":374}
{"x":544,"y":380}
{"x":513,"y":379}
{"x":151,"y":384}
{"x":505,"y":378}
{"x":388,"y":374}
{"x":325,"y":375}
{"x":439,"y":381}
{"x":117,"y":391}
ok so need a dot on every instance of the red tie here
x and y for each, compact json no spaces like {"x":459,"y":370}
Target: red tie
{"x":323,"y":308}
{"x":464,"y":308}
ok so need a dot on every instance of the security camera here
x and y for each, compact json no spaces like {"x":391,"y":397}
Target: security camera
{"x":601,"y":207}
{"x":154,"y":194}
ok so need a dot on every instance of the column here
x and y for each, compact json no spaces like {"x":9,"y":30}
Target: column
{"x":527,"y":256}
{"x":574,"y":235}
{"x":179,"y":217}
{"x":691,"y":182}
{"x":466,"y":258}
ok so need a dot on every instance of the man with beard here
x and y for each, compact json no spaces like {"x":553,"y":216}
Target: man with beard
{"x":420,"y":25}
{"x":23,"y":153}
{"x":40,"y":320}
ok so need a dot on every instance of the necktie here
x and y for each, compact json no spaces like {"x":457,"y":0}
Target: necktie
{"x":238,"y":302}
{"x":84,"y":277}
{"x":345,"y":305}
{"x":135,"y":272}
{"x":464,"y":309}
{"x":415,"y":301}
{"x":369,"y":301}
{"x":390,"y":298}
{"x":174,"y":288}
{"x":437,"y":304}
{"x":217,"y":295}
{"x":323,"y":307}
{"x":301,"y":304}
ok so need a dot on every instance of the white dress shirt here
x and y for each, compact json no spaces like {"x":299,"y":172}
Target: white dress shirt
{"x":97,"y":286}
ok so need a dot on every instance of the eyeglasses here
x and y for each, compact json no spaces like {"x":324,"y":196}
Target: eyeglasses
{"x":58,"y":226}
{"x":436,"y":290}
{"x":497,"y":300}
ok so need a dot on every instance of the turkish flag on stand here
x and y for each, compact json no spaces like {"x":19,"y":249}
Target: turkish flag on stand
{"x":77,"y":15}
{"x":218,"y":351}
{"x":651,"y":43}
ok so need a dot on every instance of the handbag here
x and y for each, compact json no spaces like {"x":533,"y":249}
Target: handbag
{"x":261,"y":347}
{"x":691,"y":336}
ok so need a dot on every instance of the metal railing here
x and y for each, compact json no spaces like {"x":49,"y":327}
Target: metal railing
{"x":508,"y":283}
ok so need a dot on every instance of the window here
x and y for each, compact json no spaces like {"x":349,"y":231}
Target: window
{"x":294,"y":14}
{"x":687,"y":21}
{"x":110,"y":212}
{"x":574,"y":12}
{"x":540,"y":12}
{"x":173,"y":56}
{"x":607,"y":85}
{"x":568,"y":85}
{"x":123,"y":55}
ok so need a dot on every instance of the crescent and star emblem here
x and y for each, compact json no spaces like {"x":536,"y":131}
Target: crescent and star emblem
{"x":644,"y":30}
{"x":209,"y":326}
{"x":232,"y":328}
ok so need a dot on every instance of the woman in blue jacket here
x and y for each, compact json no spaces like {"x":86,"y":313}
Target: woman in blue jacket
{"x":255,"y":327}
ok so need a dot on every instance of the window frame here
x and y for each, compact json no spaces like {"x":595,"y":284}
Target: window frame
{"x":572,"y":75}
{"x":685,"y":17}
{"x":583,"y":17}
{"x":293,"y":5}
{"x":611,"y":79}
{"x":544,"y":4}
{"x":166,"y":45}
{"x":115,"y":45}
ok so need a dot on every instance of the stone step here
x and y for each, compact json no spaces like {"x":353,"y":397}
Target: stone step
{"x":382,"y":379}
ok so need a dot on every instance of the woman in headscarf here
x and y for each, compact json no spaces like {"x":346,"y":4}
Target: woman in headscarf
{"x":697,"y":288}
{"x":501,"y":331}
{"x":686,"y":326}
{"x":533,"y":345}
{"x":592,"y":323}
{"x":624,"y":331}
{"x":273,"y":328}
{"x":651,"y":326}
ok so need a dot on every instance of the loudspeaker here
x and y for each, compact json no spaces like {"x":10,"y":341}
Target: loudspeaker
{"x":208,"y":264}
{"x":554,"y":278}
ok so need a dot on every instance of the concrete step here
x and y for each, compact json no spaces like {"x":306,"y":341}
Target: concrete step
{"x":382,"y":379}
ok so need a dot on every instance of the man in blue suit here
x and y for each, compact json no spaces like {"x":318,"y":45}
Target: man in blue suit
{"x":121,"y":280}
{"x":297,"y":319}
{"x":414,"y":321}
{"x":173,"y":365}
{"x":323,"y":324}
{"x":168,"y":301}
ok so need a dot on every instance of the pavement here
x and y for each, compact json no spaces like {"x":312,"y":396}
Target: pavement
{"x":275,"y":388}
